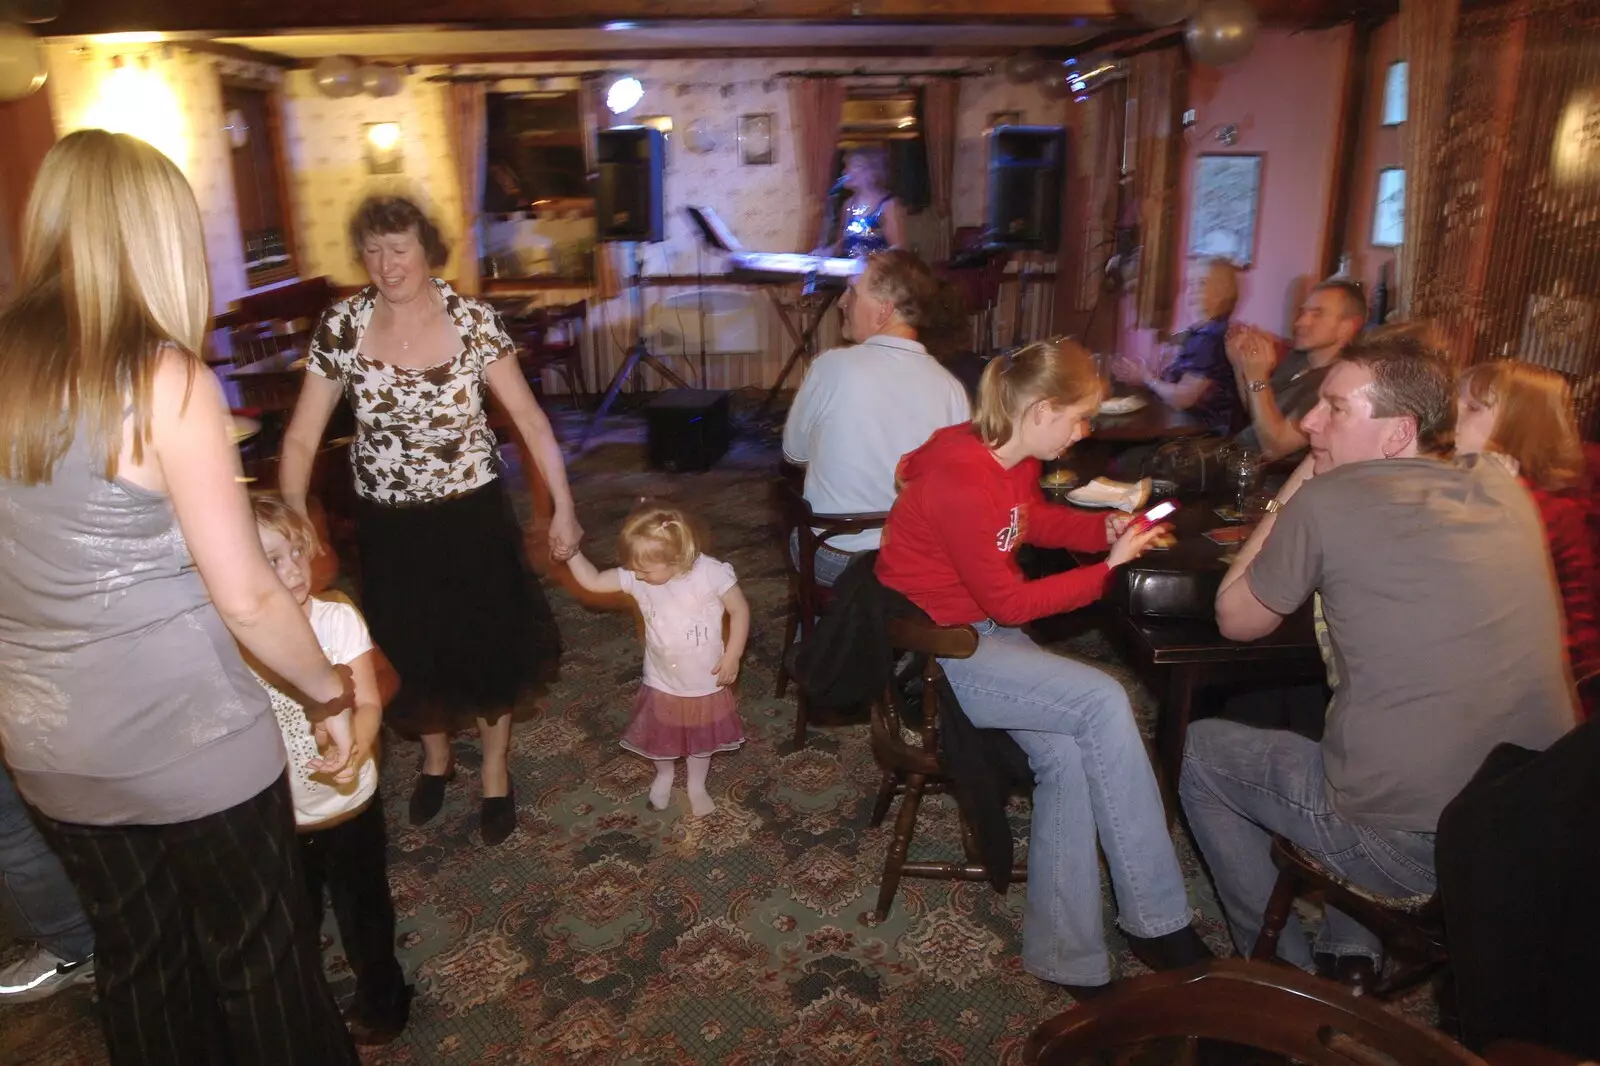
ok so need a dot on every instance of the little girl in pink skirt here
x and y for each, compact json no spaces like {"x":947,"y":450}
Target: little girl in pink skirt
{"x":685,"y":708}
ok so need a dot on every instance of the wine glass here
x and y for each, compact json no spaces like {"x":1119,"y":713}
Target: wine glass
{"x":1243,"y":469}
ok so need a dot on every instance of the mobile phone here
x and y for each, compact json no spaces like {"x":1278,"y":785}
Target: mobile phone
{"x":1159,"y":512}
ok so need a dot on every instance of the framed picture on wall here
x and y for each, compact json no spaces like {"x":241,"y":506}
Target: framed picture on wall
{"x":1389,"y":214}
{"x":757,"y":139}
{"x":1394,"y":93}
{"x":1226,"y":202}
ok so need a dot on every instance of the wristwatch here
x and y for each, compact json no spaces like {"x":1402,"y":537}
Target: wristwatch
{"x":1258,"y":385}
{"x":1274,"y":506}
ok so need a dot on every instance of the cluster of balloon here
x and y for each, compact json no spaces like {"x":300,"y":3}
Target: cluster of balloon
{"x":341,"y":76}
{"x":1218,"y":32}
{"x":21,"y":63}
{"x":1221,"y":32}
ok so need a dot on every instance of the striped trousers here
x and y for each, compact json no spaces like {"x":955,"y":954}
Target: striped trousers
{"x":205,"y":952}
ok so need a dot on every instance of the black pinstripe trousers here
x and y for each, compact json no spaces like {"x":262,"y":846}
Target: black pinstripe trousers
{"x":205,"y":952}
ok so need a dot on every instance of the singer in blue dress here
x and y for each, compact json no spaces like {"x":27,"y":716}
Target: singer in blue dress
{"x":872,"y":219}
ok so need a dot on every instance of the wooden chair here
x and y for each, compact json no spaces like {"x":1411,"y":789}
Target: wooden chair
{"x":806,"y":597}
{"x":909,"y":759}
{"x":1411,"y":927}
{"x":268,"y":324}
{"x":551,"y":338}
{"x":1270,"y":1008}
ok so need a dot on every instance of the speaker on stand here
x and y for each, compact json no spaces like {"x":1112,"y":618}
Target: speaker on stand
{"x":628,"y":209}
{"x":1027,"y":165}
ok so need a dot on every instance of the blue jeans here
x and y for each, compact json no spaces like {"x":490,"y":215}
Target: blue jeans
{"x":1091,"y":774}
{"x":1239,"y":786}
{"x":826,"y":565}
{"x":38,"y":901}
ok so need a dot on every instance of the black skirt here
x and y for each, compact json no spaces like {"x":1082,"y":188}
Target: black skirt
{"x":451,"y":602}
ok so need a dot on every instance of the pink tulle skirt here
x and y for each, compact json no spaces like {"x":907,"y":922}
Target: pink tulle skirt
{"x":664,"y":726}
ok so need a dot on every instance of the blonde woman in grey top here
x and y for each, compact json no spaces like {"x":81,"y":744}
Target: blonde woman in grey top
{"x":129,"y":566}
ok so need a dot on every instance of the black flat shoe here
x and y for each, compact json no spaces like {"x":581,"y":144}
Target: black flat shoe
{"x":428,"y":796}
{"x":497,"y":818}
{"x":1173,"y":951}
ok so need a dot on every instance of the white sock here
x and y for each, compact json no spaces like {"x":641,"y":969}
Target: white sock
{"x":699,"y":799}
{"x":661,"y":788}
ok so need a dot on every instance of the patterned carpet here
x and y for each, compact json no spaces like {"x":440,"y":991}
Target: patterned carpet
{"x":604,"y":932}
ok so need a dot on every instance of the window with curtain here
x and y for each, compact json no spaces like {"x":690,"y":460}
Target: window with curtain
{"x":536,"y":153}
{"x":260,"y":187}
{"x":892,"y":119}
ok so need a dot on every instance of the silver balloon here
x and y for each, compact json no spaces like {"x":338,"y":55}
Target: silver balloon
{"x":1059,"y":82}
{"x":1023,"y":68}
{"x":21,"y":63}
{"x":1161,"y":12}
{"x":1221,"y":32}
{"x":337,"y":76}
{"x":379,"y":79}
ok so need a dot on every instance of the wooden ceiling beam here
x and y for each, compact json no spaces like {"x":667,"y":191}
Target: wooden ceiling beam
{"x":256,"y":17}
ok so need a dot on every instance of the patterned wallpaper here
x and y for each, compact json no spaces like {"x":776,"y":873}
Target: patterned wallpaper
{"x":759,"y":202}
{"x":173,"y":99}
{"x":327,"y":154}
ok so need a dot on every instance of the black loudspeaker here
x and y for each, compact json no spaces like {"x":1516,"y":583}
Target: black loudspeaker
{"x":689,"y":428}
{"x":1026,"y":165}
{"x":628,"y":189}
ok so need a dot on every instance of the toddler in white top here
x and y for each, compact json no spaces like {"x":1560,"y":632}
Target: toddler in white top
{"x":342,"y":838}
{"x":685,"y":708}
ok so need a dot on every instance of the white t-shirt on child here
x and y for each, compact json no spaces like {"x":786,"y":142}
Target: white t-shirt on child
{"x":343,"y":635}
{"x":683,"y":626}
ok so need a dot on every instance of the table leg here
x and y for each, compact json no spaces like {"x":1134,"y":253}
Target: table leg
{"x":1172,"y":727}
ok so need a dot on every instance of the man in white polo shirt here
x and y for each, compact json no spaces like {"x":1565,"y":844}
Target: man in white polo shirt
{"x":861,"y":408}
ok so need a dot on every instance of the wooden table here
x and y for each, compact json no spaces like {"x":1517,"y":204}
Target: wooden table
{"x":1155,"y":421}
{"x":1178,"y":656}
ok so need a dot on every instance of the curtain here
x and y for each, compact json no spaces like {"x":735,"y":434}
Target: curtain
{"x":466,"y":120}
{"x":1502,"y":226}
{"x":1427,"y":36}
{"x":596,"y":117}
{"x":1096,"y":128}
{"x":940,"y":105}
{"x":1160,"y":82}
{"x":817,"y":108}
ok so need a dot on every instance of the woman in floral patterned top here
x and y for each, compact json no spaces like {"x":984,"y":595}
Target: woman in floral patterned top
{"x":444,"y":583}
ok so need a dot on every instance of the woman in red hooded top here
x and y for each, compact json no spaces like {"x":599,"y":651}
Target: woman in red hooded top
{"x":1522,"y":415}
{"x":969,"y":497}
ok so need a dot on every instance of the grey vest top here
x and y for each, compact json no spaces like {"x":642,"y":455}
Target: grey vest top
{"x":123,"y":698}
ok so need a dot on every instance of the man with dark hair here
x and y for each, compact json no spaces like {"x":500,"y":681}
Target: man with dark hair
{"x":1278,"y":398}
{"x":1442,"y":631}
{"x":861,"y":408}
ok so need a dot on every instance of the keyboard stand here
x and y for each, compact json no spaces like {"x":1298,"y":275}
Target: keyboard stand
{"x":639,"y":353}
{"x":805,"y":340}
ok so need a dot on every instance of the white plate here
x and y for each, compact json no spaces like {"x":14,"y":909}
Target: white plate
{"x":1084,"y":496}
{"x":1122,"y":405}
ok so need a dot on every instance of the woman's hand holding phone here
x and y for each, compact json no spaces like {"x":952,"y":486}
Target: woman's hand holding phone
{"x":1134,"y":542}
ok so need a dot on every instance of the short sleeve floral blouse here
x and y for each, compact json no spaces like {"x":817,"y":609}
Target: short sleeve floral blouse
{"x":421,"y":433}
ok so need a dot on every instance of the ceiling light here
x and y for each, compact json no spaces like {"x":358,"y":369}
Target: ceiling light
{"x":618,"y":27}
{"x":624,"y":94}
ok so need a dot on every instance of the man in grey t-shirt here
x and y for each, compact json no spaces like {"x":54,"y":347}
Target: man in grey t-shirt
{"x":1443,"y":630}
